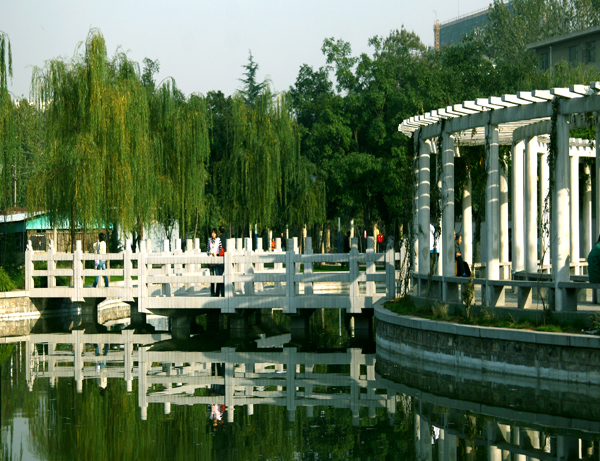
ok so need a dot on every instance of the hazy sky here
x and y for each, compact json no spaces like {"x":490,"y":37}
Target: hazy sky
{"x":204,"y":43}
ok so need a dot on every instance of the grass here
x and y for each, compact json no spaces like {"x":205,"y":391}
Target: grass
{"x":486,"y":318}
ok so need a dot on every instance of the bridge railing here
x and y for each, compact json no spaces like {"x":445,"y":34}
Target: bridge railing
{"x":252,"y":278}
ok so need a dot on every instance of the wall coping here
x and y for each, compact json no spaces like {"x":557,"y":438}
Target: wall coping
{"x":14,"y":294}
{"x":492,"y":333}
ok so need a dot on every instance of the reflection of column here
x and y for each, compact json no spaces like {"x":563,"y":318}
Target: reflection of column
{"x":504,"y":273}
{"x":425,"y":439}
{"x":567,"y":447}
{"x":560,"y":214}
{"x":424,"y":209}
{"x":574,"y":208}
{"x":596,"y":232}
{"x":494,"y":453}
{"x":587,"y":212}
{"x":518,"y":232}
{"x":515,"y":439}
{"x":504,"y":431}
{"x":531,"y":253}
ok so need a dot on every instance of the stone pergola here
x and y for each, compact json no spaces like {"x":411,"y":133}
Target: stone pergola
{"x":526,"y":121}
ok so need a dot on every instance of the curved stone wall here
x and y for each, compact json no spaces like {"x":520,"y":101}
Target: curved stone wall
{"x":565,"y":357}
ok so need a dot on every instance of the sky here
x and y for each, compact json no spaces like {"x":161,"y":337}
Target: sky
{"x":203,"y":44}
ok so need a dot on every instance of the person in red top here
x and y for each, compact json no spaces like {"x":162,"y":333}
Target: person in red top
{"x":379,"y":242}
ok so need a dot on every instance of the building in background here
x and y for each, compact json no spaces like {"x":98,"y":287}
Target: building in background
{"x":574,"y":48}
{"x":451,"y":31}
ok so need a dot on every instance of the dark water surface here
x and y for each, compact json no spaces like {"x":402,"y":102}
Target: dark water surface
{"x":268,"y":397}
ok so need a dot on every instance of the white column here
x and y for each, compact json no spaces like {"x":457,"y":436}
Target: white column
{"x":424,"y":205}
{"x":447,"y":237}
{"x":492,"y":208}
{"x":545,"y":212}
{"x":574,"y":205}
{"x":440,"y":242}
{"x":531,"y":228}
{"x":504,"y":222}
{"x":586,"y":213}
{"x":560,"y":212}
{"x":467,"y":223}
{"x":518,"y":228}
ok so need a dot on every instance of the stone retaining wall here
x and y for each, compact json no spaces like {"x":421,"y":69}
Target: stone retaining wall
{"x":565,"y":357}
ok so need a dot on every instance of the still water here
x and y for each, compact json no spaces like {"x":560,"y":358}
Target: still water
{"x":72,"y":391}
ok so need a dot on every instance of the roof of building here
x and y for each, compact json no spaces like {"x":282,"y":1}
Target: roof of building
{"x":563,"y":38}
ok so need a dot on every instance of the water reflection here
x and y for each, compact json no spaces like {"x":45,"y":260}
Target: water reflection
{"x":123,"y":394}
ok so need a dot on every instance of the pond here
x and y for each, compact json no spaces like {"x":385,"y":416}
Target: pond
{"x":79,"y":393}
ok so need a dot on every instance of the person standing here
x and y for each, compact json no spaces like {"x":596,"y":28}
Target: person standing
{"x":213,"y":248}
{"x":460,"y":265}
{"x":100,"y":249}
{"x":593,"y":260}
{"x":221,"y":267}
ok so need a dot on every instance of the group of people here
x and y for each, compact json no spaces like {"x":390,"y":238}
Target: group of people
{"x":462,"y":267}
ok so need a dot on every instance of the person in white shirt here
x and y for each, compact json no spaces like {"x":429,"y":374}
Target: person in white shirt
{"x":100,"y":249}
{"x":213,"y":248}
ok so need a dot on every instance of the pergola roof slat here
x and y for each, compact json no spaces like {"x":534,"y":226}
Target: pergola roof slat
{"x":516,"y":115}
{"x":487,"y":103}
{"x":528,"y":96}
{"x":514,"y":99}
{"x":564,"y":92}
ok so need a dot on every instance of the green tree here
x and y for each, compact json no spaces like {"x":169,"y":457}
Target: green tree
{"x":8,"y":135}
{"x":252,"y":88}
{"x":97,"y":166}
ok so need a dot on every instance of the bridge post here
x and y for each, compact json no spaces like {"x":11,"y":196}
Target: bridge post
{"x":29,"y":285}
{"x":77,"y":268}
{"x":178,"y":268}
{"x":390,"y":269}
{"x":141,"y":271}
{"x":278,"y":266}
{"x":127,"y":283}
{"x":51,"y":266}
{"x":308,"y":265}
{"x":290,"y":269}
{"x":370,"y":269}
{"x":259,"y":267}
{"x":296,"y":266}
{"x":166,"y":287}
{"x":228,"y":276}
{"x":353,"y":276}
{"x":248,"y":268}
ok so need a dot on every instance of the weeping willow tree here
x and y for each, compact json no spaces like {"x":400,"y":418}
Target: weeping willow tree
{"x":262,"y":172}
{"x":8,"y":144}
{"x":98,"y":163}
{"x":180,"y":128}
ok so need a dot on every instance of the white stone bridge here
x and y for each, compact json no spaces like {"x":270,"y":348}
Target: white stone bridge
{"x":176,"y":280}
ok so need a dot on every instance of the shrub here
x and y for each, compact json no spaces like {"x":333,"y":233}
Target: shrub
{"x":440,"y":311}
{"x":6,"y":283}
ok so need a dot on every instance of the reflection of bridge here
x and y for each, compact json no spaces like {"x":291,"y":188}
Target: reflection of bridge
{"x":175,"y":280}
{"x":283,"y":377}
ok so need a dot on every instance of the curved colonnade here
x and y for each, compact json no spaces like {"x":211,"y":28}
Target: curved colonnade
{"x":529,"y":122}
